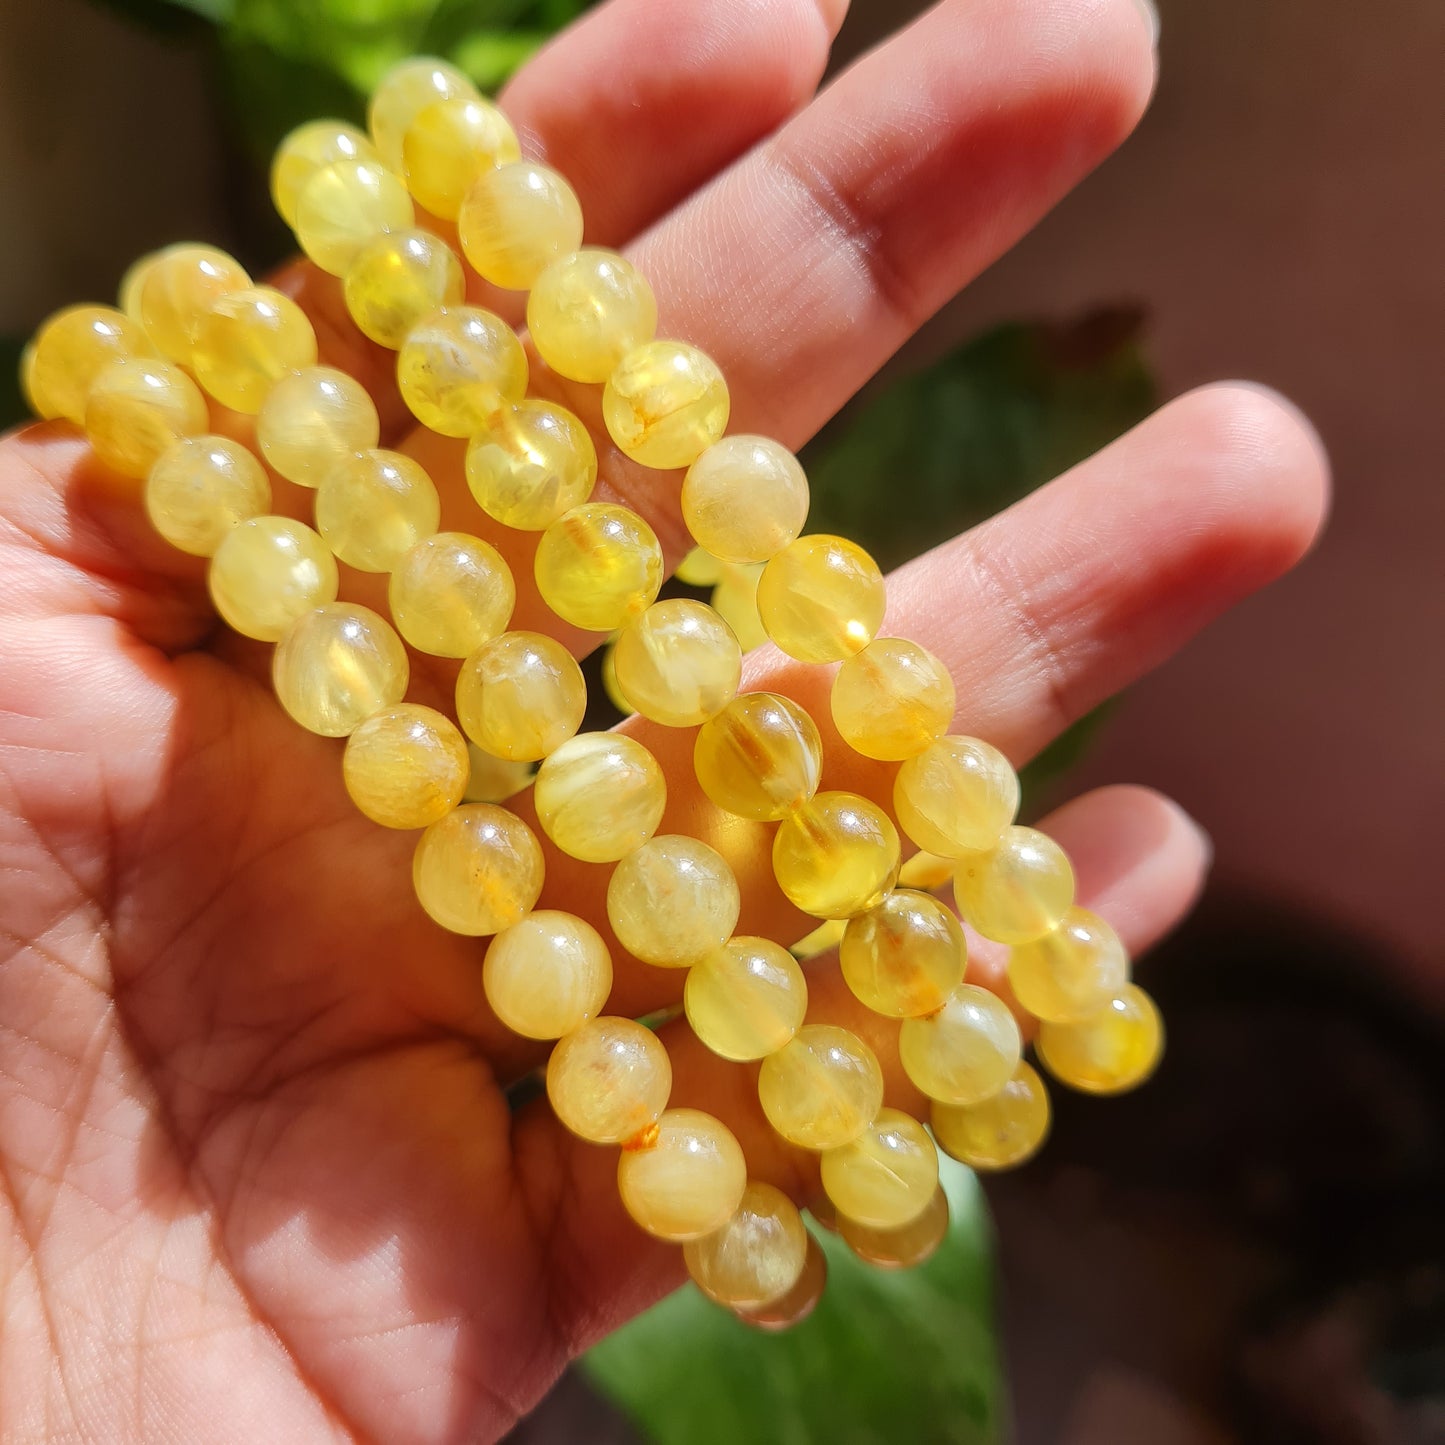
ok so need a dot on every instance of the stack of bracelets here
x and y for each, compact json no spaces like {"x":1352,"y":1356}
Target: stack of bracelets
{"x":191,"y":321}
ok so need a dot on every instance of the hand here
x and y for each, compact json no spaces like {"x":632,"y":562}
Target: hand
{"x":260,"y":1177}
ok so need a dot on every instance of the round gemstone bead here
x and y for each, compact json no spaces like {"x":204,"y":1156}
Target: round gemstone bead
{"x":449,"y":145}
{"x":516,"y":220}
{"x":678,"y":663}
{"x":267,"y":572}
{"x":547,"y":974}
{"x":404,"y":92}
{"x":310,"y":148}
{"x":450,"y":594}
{"x":247,"y":342}
{"x":598,"y":566}
{"x":672,"y":901}
{"x":71,"y":349}
{"x":791,"y":1309}
{"x":374,"y":506}
{"x":745,"y":499}
{"x":201,"y":488}
{"x":1019,"y":891}
{"x":587,"y":310}
{"x":599,"y":795}
{"x":1113,"y":1052}
{"x":137,"y":410}
{"x":128,"y":293}
{"x":904,"y":957}
{"x":459,"y":368}
{"x":478,"y":870}
{"x":338,"y":665}
{"x":892,"y":700}
{"x":760,"y":757}
{"x":757,"y":1256}
{"x":836,"y":855}
{"x":887,"y":1176}
{"x":1002,"y":1131}
{"x":534,"y":462}
{"x":177,"y":292}
{"x":398,"y":280}
{"x":821,"y":599}
{"x":746,"y":999}
{"x":823,"y":1089}
{"x":344,"y":207}
{"x":311,"y":421}
{"x":901,"y":1248}
{"x":406,"y":766}
{"x":665,"y":404}
{"x":1068,"y":976}
{"x":957,"y":796}
{"x":608,"y":1080}
{"x":966,"y":1052}
{"x":688,"y":1180}
{"x":736,"y":599}
{"x":520,"y":696}
{"x":494,"y":780}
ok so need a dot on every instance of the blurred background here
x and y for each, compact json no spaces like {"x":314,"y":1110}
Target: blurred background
{"x":1253,"y":1248}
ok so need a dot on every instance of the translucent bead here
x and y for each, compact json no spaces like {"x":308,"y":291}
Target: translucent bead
{"x":374,"y":506}
{"x":611,"y":686}
{"x":798,"y":1303}
{"x":587,"y":310}
{"x":406,"y":766}
{"x":398,"y":280}
{"x":665,"y":404}
{"x":311,"y":148}
{"x":887,"y":1176}
{"x":338,"y":665}
{"x":836,"y":855}
{"x":1111,"y":1053}
{"x":177,"y":293}
{"x":892,"y":700}
{"x":736,"y":599}
{"x":449,"y":145}
{"x":137,"y":410}
{"x":699,"y":568}
{"x":128,"y":293}
{"x":516,"y":220}
{"x":72,"y":348}
{"x":598,"y":566}
{"x":821,"y":599}
{"x":599,"y":795}
{"x":902,"y":1248}
{"x":956,"y":797}
{"x":478,"y":870}
{"x":1019,"y":891}
{"x":534,"y":461}
{"x":404,"y":92}
{"x":267,"y":572}
{"x":823,"y":1089}
{"x":494,"y":780}
{"x":450,"y":594}
{"x":608,"y":1080}
{"x":966,"y":1052}
{"x":678,"y":663}
{"x":459,"y":368}
{"x":314,"y":419}
{"x":520,"y":696}
{"x":247,"y":342}
{"x":201,"y":488}
{"x":746,"y":999}
{"x":346,"y":206}
{"x":1069,"y":975}
{"x":672,"y":901}
{"x":547,"y":974}
{"x":1001,"y":1132}
{"x":760,"y":757}
{"x":687,"y":1181}
{"x":745,"y":499}
{"x":757,"y":1256}
{"x":904,"y":957}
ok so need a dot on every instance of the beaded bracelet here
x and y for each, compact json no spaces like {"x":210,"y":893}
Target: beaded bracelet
{"x":191,"y":320}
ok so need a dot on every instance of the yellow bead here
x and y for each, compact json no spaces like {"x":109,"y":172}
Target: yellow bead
{"x":904,"y":957}
{"x":138,"y":410}
{"x":599,"y":796}
{"x":128,"y":293}
{"x":1111,"y":1053}
{"x":1019,"y":891}
{"x":494,"y":780}
{"x":311,"y":148}
{"x":892,"y":700}
{"x":598,"y":566}
{"x":608,"y":1080}
{"x":374,"y":506}
{"x":678,"y":663}
{"x":757,"y":1256}
{"x":177,"y":292}
{"x":902,"y":1248}
{"x":247,"y":342}
{"x":403,"y":93}
{"x":736,"y":599}
{"x":956,"y":797}
{"x":587,"y":310}
{"x":821,"y":599}
{"x":459,"y":368}
{"x":534,"y":462}
{"x":520,"y":696}
{"x":201,"y":488}
{"x":672,"y":901}
{"x":397,"y":281}
{"x":611,"y":686}
{"x":516,"y":220}
{"x":71,"y":349}
{"x":478,"y":870}
{"x":798,"y":1303}
{"x":836,"y":856}
{"x":745,"y":499}
{"x":1069,"y":975}
{"x":1002,"y":1131}
{"x":687,"y":1181}
{"x":760,"y":757}
{"x":406,"y":766}
{"x":267,"y":572}
{"x":450,"y":594}
{"x":700,"y":569}
{"x":449,"y":145}
{"x":887,"y":1176}
{"x":926,"y":871}
{"x":746,"y":999}
{"x":313,"y":420}
{"x":665,"y":404}
{"x":823,"y":1089}
{"x":966,"y":1052}
{"x":338,"y":665}
{"x":547,"y":974}
{"x":344,"y":207}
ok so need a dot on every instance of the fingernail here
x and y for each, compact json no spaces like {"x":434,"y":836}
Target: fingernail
{"x":1151,"y":15}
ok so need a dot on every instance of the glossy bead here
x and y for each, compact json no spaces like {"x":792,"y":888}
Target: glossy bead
{"x":494,"y":780}
{"x":678,"y":663}
{"x":798,"y":1303}
{"x":587,"y":310}
{"x":71,"y":349}
{"x":757,"y":1256}
{"x":745,"y":499}
{"x":903,"y":957}
{"x":665,"y":404}
{"x":1110,"y":1053}
{"x":516,"y":220}
{"x":450,"y":594}
{"x":1019,"y":891}
{"x":926,"y":871}
{"x":267,"y":572}
{"x":404,"y":92}
{"x":520,"y":696}
{"x":608,"y":1080}
{"x":966,"y":1052}
{"x":892,"y":700}
{"x":904,"y":1247}
{"x":957,"y":796}
{"x":598,"y":566}
{"x":177,"y":292}
{"x":247,"y":342}
{"x":398,"y":280}
{"x":310,"y":148}
{"x":672,"y":901}
{"x":478,"y":870}
{"x":1002,"y":1131}
{"x":201,"y":488}
{"x":746,"y":999}
{"x":761,"y":757}
{"x":137,"y":410}
{"x":1069,"y":975}
{"x":374,"y":506}
{"x":314,"y":419}
{"x":599,"y":795}
{"x":459,"y":368}
{"x":128,"y":293}
{"x":821,"y":599}
{"x":687,"y":1181}
{"x":406,"y":766}
{"x":547,"y":974}
{"x":449,"y":145}
{"x":887,"y":1176}
{"x":534,"y":461}
{"x":823,"y":1089}
{"x":836,"y":855}
{"x":338,"y":665}
{"x":346,"y":206}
